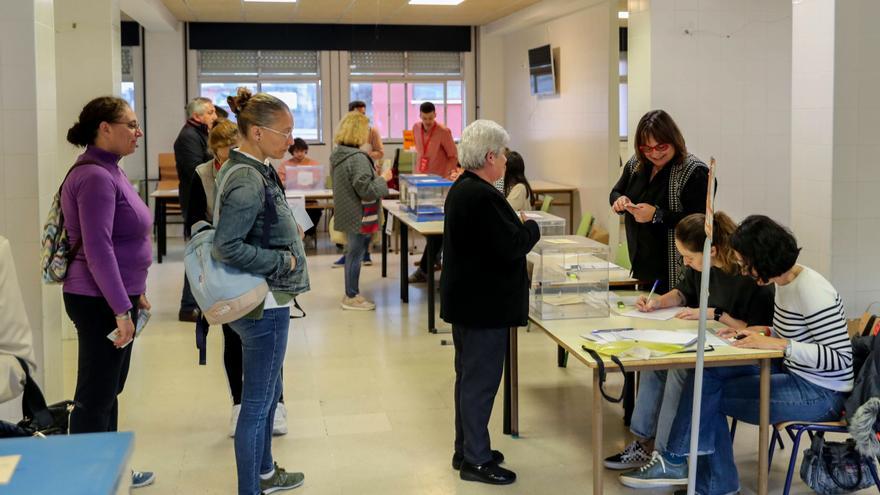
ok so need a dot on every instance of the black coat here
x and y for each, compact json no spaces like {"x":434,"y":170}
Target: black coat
{"x":484,"y":283}
{"x":190,"y":151}
{"x":866,"y":365}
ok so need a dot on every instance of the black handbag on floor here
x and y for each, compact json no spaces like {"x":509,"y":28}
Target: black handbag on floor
{"x":38,"y":418}
{"x":831,"y":468}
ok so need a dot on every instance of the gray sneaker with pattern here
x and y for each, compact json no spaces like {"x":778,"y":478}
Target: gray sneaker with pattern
{"x":281,"y":480}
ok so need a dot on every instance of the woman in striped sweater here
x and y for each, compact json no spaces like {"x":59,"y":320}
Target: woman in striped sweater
{"x":809,"y":384}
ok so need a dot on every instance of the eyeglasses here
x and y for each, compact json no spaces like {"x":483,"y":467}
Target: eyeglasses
{"x":134,"y":125}
{"x":660,"y":148}
{"x":285,"y":134}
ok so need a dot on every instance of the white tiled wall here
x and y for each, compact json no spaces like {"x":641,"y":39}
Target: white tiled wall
{"x":855,"y":212}
{"x":27,"y":157}
{"x":722,"y":70}
{"x":570,"y":137}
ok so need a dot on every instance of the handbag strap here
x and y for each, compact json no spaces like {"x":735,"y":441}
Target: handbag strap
{"x":75,"y":248}
{"x":299,"y":308}
{"x":33,"y":404}
{"x":830,"y":465}
{"x":270,"y":212}
{"x":602,"y":375}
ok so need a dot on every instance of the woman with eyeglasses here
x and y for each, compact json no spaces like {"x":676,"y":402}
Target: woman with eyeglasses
{"x":661,"y":184}
{"x":809,"y":384}
{"x":108,"y":228}
{"x":256,"y":233}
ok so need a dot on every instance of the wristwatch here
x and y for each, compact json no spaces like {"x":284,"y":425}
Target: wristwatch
{"x":658,"y":215}
{"x":718,"y":313}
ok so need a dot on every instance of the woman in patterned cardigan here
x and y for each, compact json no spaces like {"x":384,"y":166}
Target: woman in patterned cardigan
{"x":661,"y":184}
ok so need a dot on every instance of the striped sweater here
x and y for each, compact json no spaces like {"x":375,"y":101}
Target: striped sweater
{"x":809,"y":312}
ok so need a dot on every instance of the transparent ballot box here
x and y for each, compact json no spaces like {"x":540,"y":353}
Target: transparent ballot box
{"x":549,"y":224}
{"x":568,"y":278}
{"x":423,"y":196}
{"x":304,"y":177}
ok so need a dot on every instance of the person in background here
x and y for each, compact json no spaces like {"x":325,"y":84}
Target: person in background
{"x":810,"y":383}
{"x":373,"y":146}
{"x":516,"y":187}
{"x":254,"y":197}
{"x":483,"y":293}
{"x":661,"y":184}
{"x":108,"y":227}
{"x":735,"y":300}
{"x":436,"y":155}
{"x":299,"y":156}
{"x":222,"y":138}
{"x":357,"y":191}
{"x":190,"y":151}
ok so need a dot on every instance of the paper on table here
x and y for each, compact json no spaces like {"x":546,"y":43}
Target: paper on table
{"x":659,"y":314}
{"x":560,"y":241}
{"x":8,"y":464}
{"x":300,"y":215}
{"x":658,"y":336}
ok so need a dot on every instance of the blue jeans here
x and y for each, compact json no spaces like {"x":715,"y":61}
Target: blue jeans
{"x":263,"y":344}
{"x":355,"y":248}
{"x":734,"y":391}
{"x":657,"y":404}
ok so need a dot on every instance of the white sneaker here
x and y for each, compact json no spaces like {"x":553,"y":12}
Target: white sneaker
{"x":279,"y":423}
{"x":233,"y":420}
{"x":357,"y":303}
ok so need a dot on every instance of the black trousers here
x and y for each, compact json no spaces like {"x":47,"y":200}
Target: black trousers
{"x":479,"y":363}
{"x":315,"y":217}
{"x":101,"y":367}
{"x":187,"y":300}
{"x":436,"y":243}
{"x":232,"y":362}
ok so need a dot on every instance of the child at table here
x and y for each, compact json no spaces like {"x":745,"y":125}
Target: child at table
{"x":734,"y":300}
{"x":517,"y":189}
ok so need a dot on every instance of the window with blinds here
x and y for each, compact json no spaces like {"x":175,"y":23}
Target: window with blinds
{"x":126,"y":89}
{"x":393,"y":85}
{"x":367,"y":63}
{"x":258,"y":63}
{"x":292,"y":76}
{"x":127,"y":64}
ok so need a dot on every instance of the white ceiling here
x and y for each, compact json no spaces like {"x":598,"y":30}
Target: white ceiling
{"x":469,"y":12}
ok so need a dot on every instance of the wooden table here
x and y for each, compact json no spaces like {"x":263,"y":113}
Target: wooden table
{"x":162,"y":197}
{"x":87,"y":464}
{"x":427,"y":229}
{"x":547,"y":187}
{"x":567,"y":334}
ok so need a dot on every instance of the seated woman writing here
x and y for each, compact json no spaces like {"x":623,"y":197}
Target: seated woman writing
{"x":734,"y":299}
{"x":809,"y":384}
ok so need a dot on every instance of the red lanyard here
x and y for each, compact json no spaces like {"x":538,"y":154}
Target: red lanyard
{"x":426,"y":143}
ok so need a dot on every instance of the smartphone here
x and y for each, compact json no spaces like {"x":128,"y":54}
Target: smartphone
{"x":143,"y":318}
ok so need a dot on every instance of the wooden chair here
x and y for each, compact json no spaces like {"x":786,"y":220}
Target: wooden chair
{"x":586,"y":224}
{"x":545,"y":205}
{"x":168,"y":179}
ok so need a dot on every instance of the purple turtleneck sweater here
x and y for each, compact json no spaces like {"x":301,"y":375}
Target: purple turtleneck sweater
{"x":104,"y":214}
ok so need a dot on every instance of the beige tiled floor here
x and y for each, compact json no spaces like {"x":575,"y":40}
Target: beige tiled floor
{"x":369,"y":396}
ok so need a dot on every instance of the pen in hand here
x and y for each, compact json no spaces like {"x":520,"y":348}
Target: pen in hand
{"x":656,"y":282}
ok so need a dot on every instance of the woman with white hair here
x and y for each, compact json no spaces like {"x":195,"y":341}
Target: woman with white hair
{"x":483,"y":292}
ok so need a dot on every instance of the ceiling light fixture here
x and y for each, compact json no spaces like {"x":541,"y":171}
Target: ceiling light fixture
{"x":269,"y":1}
{"x":623,"y":14}
{"x":435,"y":2}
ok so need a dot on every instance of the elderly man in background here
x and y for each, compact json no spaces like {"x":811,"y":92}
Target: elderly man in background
{"x":483,"y":293}
{"x":190,"y":151}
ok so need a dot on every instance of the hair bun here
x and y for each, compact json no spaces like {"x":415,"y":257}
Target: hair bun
{"x":75,"y":135}
{"x":238,"y":102}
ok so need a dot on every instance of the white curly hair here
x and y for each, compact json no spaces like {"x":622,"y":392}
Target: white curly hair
{"x":479,"y":139}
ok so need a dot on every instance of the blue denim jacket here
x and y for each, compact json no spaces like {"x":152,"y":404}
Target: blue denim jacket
{"x":239,"y":230}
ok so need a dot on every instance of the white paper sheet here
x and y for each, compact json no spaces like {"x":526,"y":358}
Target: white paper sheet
{"x":659,"y":315}
{"x":8,"y":463}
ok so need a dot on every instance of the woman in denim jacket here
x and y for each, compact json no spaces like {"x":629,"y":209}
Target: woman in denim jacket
{"x":253,"y":196}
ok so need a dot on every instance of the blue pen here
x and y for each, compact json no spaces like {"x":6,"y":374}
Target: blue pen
{"x":653,"y":289}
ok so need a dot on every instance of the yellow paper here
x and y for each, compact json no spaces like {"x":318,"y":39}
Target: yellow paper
{"x":7,"y":467}
{"x":560,"y":241}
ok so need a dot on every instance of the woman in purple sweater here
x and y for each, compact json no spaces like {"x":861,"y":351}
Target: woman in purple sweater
{"x":108,"y":230}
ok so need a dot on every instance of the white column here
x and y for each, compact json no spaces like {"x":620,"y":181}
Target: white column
{"x":27,"y":163}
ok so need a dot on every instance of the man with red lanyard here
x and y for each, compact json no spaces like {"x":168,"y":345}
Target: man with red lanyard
{"x":437,"y":155}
